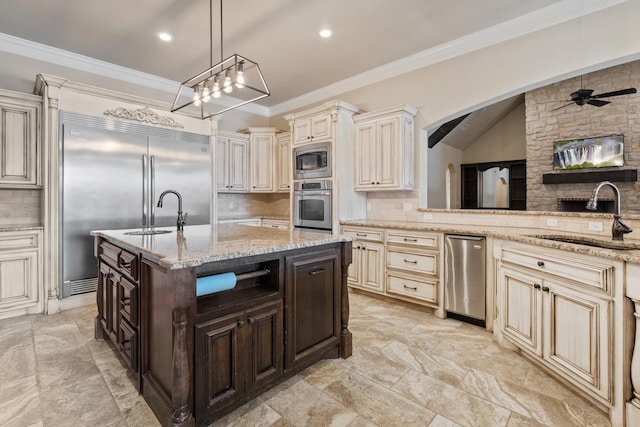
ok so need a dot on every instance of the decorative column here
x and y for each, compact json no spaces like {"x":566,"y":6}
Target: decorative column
{"x":633,"y":406}
{"x":180,"y":376}
{"x":346,"y":339}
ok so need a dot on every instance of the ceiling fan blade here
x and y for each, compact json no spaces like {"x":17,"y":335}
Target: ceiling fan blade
{"x":616,"y":93}
{"x":597,"y":102}
{"x":565,"y":105}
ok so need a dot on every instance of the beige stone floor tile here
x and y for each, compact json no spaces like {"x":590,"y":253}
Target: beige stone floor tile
{"x":17,"y":356}
{"x":379,"y":404}
{"x":305,"y":405}
{"x":325,"y":372}
{"x":119,"y":380}
{"x":15,"y":324}
{"x":440,"y":421}
{"x":437,"y":396}
{"x":253,"y":413}
{"x":138,"y":413}
{"x":361,"y":421}
{"x":20,"y":402}
{"x":374,"y":365}
{"x":517,"y":420}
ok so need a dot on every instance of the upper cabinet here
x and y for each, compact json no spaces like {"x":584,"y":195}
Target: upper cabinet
{"x":384,"y":149}
{"x":315,"y":128}
{"x":232,"y":162}
{"x":283,"y":154}
{"x":262,"y":159}
{"x":19,"y":136}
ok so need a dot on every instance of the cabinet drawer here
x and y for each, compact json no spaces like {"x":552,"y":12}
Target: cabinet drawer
{"x":364,"y":234}
{"x":427,"y":291}
{"x":18,"y":240}
{"x":128,"y":264}
{"x":128,"y":301}
{"x":109,"y":252}
{"x":431,"y":241}
{"x":128,"y":344}
{"x":587,"y":271}
{"x":423,"y":263}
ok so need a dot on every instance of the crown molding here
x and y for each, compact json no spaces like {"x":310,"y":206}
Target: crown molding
{"x":563,"y":11}
{"x":41,"y":52}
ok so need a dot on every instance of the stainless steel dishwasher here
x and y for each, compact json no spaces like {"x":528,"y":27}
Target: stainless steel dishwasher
{"x":465,"y":286}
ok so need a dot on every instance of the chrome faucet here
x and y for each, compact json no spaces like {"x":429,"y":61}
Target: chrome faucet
{"x":181,"y":219}
{"x":618,"y":229}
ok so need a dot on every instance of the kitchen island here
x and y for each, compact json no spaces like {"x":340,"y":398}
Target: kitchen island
{"x":199,"y":355}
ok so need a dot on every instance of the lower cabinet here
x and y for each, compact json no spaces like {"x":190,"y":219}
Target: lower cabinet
{"x":565,"y":324}
{"x":20,"y":273}
{"x":313,"y":312}
{"x":236,"y":354}
{"x":367,"y":268}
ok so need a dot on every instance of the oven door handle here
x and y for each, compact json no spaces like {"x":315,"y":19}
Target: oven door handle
{"x":304,"y":193}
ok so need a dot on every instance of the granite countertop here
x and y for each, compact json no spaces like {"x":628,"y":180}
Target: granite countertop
{"x":250,"y":217}
{"x":20,"y":227}
{"x":200,"y":244}
{"x":517,"y":234}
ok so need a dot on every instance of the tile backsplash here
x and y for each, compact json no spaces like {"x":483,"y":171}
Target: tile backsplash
{"x":268,"y":204}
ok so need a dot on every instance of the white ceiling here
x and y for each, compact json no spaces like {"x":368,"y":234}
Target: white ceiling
{"x":281,"y":35}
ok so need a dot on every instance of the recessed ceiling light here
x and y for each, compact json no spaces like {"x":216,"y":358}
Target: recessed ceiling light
{"x":325,"y":33}
{"x":165,"y":37}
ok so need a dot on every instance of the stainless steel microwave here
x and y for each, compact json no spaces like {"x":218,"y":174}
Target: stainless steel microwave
{"x":312,"y":161}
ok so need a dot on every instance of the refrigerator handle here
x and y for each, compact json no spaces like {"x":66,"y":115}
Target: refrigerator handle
{"x":144,"y":190}
{"x":152,"y":205}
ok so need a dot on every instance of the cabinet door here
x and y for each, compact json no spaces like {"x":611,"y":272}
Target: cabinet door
{"x":522,"y":309}
{"x":18,"y":150}
{"x":389,"y":153}
{"x":262,"y":156}
{"x":222,"y":164}
{"x":301,"y":131}
{"x":238,"y":171}
{"x":104,"y":282}
{"x":18,"y":280}
{"x":372,"y":266}
{"x":577,"y":332}
{"x":355,"y":268}
{"x":219,"y":348}
{"x":321,"y":127}
{"x":284,"y":163}
{"x":313,"y":318}
{"x":366,"y":157}
{"x":265,"y":345}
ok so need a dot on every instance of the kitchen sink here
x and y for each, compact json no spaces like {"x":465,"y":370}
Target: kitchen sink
{"x":147,"y":232}
{"x":605,"y":244}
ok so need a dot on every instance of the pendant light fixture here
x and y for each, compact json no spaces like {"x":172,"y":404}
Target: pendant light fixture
{"x":231,"y":83}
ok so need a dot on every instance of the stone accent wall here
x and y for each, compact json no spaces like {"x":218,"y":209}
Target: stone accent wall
{"x":544,"y":127}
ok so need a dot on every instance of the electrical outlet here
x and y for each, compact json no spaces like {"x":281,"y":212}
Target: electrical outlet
{"x":427,"y":217}
{"x":595,"y":226}
{"x":406,"y":206}
{"x":552,"y":222}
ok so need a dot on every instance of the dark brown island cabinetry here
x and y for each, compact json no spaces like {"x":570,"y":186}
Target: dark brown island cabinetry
{"x":199,"y":358}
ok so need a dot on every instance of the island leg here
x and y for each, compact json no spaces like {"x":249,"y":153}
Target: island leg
{"x":180,"y":379}
{"x":633,"y":406}
{"x":346,"y":339}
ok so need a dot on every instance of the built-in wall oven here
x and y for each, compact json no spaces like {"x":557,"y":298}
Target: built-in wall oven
{"x":312,"y":161}
{"x":312,"y":205}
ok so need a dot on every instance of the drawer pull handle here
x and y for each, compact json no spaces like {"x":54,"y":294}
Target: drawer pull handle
{"x":361,"y":234}
{"x":413,"y":288}
{"x":410,"y":261}
{"x":410,"y":240}
{"x":275,"y":226}
{"x":251,"y":320}
{"x":124,"y":264}
{"x":536,"y":286}
{"x":540,"y":263}
{"x":318,"y":271}
{"x":545,"y":289}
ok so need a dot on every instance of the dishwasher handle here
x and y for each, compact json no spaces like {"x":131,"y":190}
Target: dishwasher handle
{"x":455,"y":236}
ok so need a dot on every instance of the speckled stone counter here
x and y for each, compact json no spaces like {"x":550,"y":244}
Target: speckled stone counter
{"x":199,"y":244}
{"x":525,"y":235}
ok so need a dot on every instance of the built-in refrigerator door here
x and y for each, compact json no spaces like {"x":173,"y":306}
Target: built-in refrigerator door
{"x":183,"y":166}
{"x":102,"y":188}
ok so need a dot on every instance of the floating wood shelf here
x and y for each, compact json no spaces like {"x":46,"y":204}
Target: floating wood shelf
{"x":624,"y":175}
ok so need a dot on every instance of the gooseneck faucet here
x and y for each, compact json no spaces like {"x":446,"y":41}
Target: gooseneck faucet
{"x":618,"y":229}
{"x":181,"y":219}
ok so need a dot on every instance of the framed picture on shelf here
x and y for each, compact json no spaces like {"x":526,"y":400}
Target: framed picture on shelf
{"x":597,"y":152}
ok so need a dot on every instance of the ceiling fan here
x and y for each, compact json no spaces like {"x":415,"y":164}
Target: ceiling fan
{"x":585,"y":96}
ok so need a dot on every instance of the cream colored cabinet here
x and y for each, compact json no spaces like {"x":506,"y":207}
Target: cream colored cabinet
{"x":20,"y":273}
{"x":283,"y":152}
{"x":262,"y":160}
{"x":232,"y":162}
{"x":315,"y":128}
{"x":413,"y":265}
{"x":19,"y":135}
{"x":384,"y":149}
{"x":557,"y":307}
{"x":367,"y":267}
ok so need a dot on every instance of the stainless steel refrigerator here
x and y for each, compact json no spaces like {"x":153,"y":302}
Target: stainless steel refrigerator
{"x":112,"y":173}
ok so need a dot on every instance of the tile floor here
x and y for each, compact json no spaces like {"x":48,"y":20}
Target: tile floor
{"x":408,"y":369}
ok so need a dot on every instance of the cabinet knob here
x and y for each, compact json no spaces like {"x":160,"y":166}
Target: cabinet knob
{"x":373,"y":183}
{"x":251,"y":320}
{"x":540,"y":263}
{"x":536,"y":286}
{"x":240,"y":323}
{"x":545,"y":289}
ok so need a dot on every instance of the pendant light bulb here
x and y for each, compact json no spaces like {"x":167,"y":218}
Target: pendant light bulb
{"x":227,"y":83}
{"x":206,"y":93}
{"x":240,"y":76}
{"x":196,"y":96}
{"x":216,"y":87}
